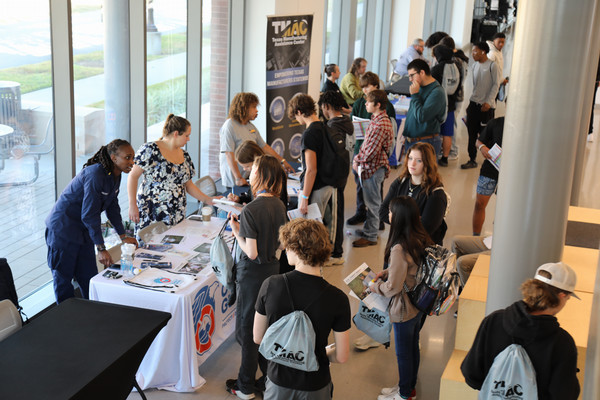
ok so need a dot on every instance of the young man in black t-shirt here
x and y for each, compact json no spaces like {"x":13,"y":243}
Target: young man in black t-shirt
{"x":308,"y":248}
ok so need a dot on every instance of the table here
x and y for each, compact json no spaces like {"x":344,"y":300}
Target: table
{"x":78,"y":350}
{"x":201,"y":319}
{"x":5,"y":131}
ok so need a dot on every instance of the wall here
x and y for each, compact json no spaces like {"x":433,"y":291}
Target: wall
{"x":406,"y":25}
{"x":462,"y":20}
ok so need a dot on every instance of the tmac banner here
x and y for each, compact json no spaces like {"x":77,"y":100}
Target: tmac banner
{"x":288,"y":55}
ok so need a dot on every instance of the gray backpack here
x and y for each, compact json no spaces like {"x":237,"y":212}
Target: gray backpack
{"x":290,"y":341}
{"x":450,"y":78}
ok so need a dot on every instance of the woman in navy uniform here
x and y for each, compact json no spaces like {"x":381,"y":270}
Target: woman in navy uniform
{"x":74,"y":226}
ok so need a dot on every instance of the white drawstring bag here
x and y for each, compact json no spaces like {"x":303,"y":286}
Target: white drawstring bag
{"x":511,"y":376}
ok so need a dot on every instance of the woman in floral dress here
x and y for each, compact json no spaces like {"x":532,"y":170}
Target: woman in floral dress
{"x":167,"y":171}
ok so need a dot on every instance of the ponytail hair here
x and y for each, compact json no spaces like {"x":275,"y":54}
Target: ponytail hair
{"x":102,"y":156}
{"x":175,"y":123}
{"x":329,"y":69}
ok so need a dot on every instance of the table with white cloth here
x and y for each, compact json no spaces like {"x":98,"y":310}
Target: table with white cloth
{"x":201,"y":318}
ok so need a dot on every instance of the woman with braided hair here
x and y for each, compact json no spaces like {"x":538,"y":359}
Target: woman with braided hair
{"x":167,"y":171}
{"x":74,"y":227}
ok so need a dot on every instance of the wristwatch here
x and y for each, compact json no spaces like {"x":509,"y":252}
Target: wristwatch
{"x":101,"y":247}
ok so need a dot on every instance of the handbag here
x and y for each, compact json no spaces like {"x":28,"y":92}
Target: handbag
{"x":375,"y":323}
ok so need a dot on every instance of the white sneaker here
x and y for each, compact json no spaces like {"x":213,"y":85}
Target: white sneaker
{"x":390,"y":390}
{"x":335,"y":261}
{"x":391,"y":396}
{"x":365,"y":343}
{"x":453,"y":156}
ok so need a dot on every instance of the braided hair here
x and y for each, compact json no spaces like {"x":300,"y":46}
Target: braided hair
{"x":102,"y":156}
{"x":175,"y":123}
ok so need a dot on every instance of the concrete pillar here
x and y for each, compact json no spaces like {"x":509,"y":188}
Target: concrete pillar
{"x":552,"y":39}
{"x":116,"y":69}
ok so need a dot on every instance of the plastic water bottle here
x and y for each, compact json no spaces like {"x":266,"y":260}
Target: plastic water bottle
{"x":127,"y":250}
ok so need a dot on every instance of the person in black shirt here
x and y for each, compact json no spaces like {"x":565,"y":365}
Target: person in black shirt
{"x":308,"y":248}
{"x":488,"y":175}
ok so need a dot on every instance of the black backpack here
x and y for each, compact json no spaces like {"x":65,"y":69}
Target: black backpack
{"x":334,"y":165}
{"x":7,"y":285}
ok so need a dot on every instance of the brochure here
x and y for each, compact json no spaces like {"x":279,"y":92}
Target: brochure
{"x":496,"y":153}
{"x":358,"y":281}
{"x":312,"y":213}
{"x":360,"y":127}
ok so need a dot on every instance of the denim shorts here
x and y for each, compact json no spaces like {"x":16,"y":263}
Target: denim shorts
{"x":486,"y":186}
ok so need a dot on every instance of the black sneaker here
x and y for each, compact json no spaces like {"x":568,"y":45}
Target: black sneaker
{"x":443,"y":162}
{"x":357,"y":219}
{"x":381,"y":226}
{"x":469,"y":164}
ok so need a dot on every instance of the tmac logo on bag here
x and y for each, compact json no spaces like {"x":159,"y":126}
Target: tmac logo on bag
{"x":373,"y":315}
{"x":514,"y":392}
{"x":290,"y":357}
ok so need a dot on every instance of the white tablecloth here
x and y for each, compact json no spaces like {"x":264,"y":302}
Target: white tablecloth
{"x":201,"y":321}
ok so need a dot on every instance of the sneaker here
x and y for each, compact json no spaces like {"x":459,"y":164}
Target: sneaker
{"x":232,"y":387}
{"x":396,"y":395}
{"x":381,"y":226}
{"x":363,"y":242}
{"x":390,"y":390}
{"x":443,"y":162}
{"x":365,"y":343}
{"x":469,"y":164}
{"x":357,"y":219}
{"x":336,"y":261}
{"x":453,"y":156}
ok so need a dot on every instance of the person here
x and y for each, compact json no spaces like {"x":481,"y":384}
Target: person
{"x":485,"y":79}
{"x":333,"y":73}
{"x":331,"y":104}
{"x":308,"y":247}
{"x":427,"y":109}
{"x":488,"y":175}
{"x":256,"y":231}
{"x":368,"y":82}
{"x":167,"y":171}
{"x":302,"y":108}
{"x":532,"y":323}
{"x":403,"y":252}
{"x":467,"y":250}
{"x":413,"y":52}
{"x":372,"y":166}
{"x":350,"y":86}
{"x":435,"y":39}
{"x":420,"y":180}
{"x":445,"y":57}
{"x":236,"y":129}
{"x":73,"y":226}
{"x":245,"y":155}
{"x":495,"y":54}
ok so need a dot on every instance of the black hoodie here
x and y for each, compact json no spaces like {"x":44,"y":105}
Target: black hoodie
{"x":551,"y":349}
{"x":445,"y":55}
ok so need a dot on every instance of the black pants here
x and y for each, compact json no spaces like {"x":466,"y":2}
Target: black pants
{"x":476,"y":121}
{"x":338,"y":250}
{"x":250,"y":277}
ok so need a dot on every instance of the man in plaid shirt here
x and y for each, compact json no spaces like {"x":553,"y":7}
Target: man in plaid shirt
{"x":371,"y":164}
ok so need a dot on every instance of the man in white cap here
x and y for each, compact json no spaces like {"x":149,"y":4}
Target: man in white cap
{"x":532,"y":324}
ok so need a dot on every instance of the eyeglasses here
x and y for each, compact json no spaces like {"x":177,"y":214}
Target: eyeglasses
{"x":411,"y":75}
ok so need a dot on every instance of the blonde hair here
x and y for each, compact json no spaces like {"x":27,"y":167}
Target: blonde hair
{"x":538,"y":295}
{"x":248,"y":151}
{"x":308,"y":239}
{"x":268,"y":175}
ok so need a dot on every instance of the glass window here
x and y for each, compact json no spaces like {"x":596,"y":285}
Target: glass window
{"x":215,"y":48}
{"x":27,"y":168}
{"x":360,"y":28}
{"x":328,"y":29}
{"x":166,"y":43}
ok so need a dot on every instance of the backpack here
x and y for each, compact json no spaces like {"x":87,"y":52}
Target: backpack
{"x":290,"y":341}
{"x":450,"y":78}
{"x":221,"y":260}
{"x":437,"y":281}
{"x":374,"y":322}
{"x":7,"y":287}
{"x":511,"y":376}
{"x":334,"y":164}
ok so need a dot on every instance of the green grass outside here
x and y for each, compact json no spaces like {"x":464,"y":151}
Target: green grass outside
{"x":38,"y":76}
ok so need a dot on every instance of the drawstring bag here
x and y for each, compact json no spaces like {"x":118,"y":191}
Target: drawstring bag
{"x":221,"y":260}
{"x":290,"y":341}
{"x":511,"y":376}
{"x":375,"y":323}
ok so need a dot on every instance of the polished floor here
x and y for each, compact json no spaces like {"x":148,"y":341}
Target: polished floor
{"x":365,"y":373}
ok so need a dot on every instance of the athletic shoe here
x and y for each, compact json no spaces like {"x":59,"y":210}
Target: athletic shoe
{"x":396,"y":395}
{"x":381,"y":226}
{"x":357,"y":219}
{"x":363,"y":242}
{"x":390,"y":390}
{"x":469,"y":164}
{"x":443,"y":162}
{"x":365,"y":343}
{"x":232,"y":387}
{"x":335,"y":261}
{"x":453,"y":156}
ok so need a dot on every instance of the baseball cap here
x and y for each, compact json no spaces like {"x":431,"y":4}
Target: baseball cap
{"x":561,"y":276}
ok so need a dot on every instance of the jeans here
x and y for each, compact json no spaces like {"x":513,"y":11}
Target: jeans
{"x":250,"y":277}
{"x":436,"y":142}
{"x":406,"y":337}
{"x":361,"y":208}
{"x":372,"y":196}
{"x":476,"y":121}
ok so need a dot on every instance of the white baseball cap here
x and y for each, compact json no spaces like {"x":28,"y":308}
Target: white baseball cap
{"x":561,"y":276}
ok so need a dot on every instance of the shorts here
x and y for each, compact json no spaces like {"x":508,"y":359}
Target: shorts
{"x":486,"y":186}
{"x":447,"y":128}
